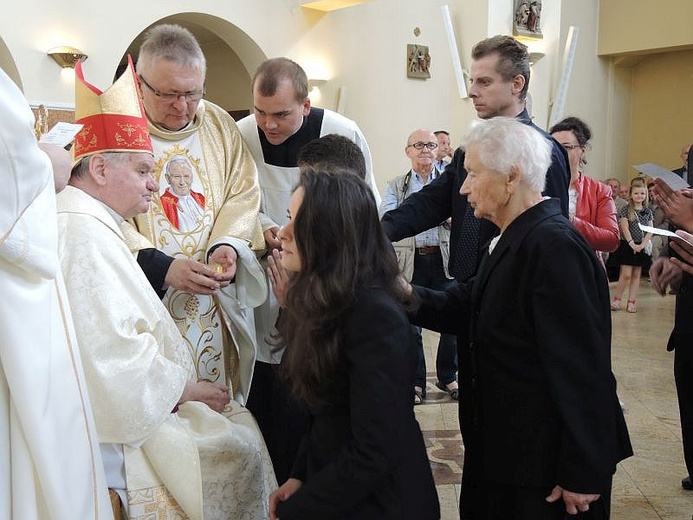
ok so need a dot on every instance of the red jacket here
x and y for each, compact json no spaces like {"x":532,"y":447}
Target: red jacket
{"x":595,"y":215}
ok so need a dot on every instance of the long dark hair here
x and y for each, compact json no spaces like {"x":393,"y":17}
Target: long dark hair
{"x":342,"y":249}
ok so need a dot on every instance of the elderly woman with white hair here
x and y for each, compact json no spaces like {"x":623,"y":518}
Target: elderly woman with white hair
{"x":540,"y":419}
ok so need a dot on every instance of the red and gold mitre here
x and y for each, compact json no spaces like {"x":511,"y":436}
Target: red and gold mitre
{"x":114,"y":120}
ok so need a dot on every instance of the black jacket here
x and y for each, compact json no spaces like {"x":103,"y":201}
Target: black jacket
{"x":441,"y":199}
{"x":539,"y":399}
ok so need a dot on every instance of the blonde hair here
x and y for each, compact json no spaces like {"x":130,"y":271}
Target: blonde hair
{"x":636,"y":183}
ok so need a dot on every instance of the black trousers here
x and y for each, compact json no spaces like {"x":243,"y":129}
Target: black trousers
{"x":282,"y":421}
{"x":683,"y":375}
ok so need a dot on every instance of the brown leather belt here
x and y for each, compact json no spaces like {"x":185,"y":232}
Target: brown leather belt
{"x":428,"y":250}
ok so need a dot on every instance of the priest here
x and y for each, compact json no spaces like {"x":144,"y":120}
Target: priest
{"x":171,"y":443}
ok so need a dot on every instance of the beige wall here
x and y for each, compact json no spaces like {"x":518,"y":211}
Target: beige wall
{"x":628,"y":26}
{"x":360,"y":51}
{"x":662,"y":114}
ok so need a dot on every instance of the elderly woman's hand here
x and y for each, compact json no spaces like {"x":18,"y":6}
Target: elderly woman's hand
{"x":574,"y":502}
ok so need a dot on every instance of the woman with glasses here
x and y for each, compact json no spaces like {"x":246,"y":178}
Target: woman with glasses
{"x":591,"y":208}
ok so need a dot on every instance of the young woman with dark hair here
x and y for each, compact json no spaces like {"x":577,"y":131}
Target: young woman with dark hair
{"x":350,"y":360}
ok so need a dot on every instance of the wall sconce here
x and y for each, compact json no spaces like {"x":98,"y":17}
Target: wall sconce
{"x":66,"y":57}
{"x":535,"y":57}
{"x":315,"y":84}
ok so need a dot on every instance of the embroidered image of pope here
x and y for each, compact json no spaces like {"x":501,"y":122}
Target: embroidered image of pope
{"x":183,"y":207}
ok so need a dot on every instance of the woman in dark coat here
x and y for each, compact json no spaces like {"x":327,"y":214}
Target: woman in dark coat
{"x":541,"y":422}
{"x":350,"y":359}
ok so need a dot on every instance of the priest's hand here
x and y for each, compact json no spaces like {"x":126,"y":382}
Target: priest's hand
{"x":214,"y":395}
{"x":281,"y":494}
{"x":574,"y":502}
{"x":279,"y":277}
{"x":224,"y":256}
{"x":188,"y":275}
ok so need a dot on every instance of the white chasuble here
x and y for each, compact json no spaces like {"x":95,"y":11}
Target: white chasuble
{"x":222,"y":208}
{"x":50,"y":465}
{"x":194,"y":463}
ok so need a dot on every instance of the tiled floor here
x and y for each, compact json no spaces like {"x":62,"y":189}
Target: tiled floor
{"x":646,"y":486}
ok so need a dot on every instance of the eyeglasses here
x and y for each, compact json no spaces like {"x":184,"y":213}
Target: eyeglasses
{"x":421,"y":146}
{"x":169,"y":97}
{"x":569,"y":147}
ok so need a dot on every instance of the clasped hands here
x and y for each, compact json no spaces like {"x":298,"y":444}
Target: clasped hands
{"x":186,"y":274}
{"x":678,"y":208}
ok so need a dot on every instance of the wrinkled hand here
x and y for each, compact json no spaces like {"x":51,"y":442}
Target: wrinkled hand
{"x":279,"y":277}
{"x":574,"y":502}
{"x":684,"y":249}
{"x":214,"y":395}
{"x":191,"y":276}
{"x":664,"y":273}
{"x":281,"y":494}
{"x":271,"y":240}
{"x":676,"y":205}
{"x":226,"y":257}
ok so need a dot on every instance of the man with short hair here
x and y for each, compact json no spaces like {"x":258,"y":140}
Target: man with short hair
{"x":500,"y":81}
{"x":173,"y":445}
{"x":206,"y":271}
{"x":333,"y":150}
{"x":423,"y":259}
{"x":615,"y":185}
{"x":282,"y":123}
{"x":683,"y":171}
{"x":444,"y":150}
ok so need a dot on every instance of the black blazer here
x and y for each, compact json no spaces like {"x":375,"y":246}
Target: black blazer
{"x":542,"y":406}
{"x":364,"y":456}
{"x":441,"y":198}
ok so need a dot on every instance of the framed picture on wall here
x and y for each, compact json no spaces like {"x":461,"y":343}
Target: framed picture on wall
{"x":527,"y":18}
{"x":418,"y":61}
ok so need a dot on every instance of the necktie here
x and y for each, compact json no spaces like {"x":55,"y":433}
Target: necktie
{"x":463,"y":262}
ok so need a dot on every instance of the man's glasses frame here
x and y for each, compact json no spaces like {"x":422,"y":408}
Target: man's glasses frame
{"x":421,"y":145}
{"x":169,"y":97}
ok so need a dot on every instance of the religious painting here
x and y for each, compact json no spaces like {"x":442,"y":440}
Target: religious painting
{"x":183,"y":205}
{"x":418,"y":61}
{"x":527,"y":18}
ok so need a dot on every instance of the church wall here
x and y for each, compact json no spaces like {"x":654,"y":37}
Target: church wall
{"x":360,"y":51}
{"x":628,"y":26}
{"x":661,"y":110}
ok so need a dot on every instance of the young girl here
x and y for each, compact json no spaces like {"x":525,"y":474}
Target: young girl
{"x":630,"y":254}
{"x":350,"y":360}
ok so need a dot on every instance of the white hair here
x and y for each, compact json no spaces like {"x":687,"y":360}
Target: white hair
{"x":505,"y":142}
